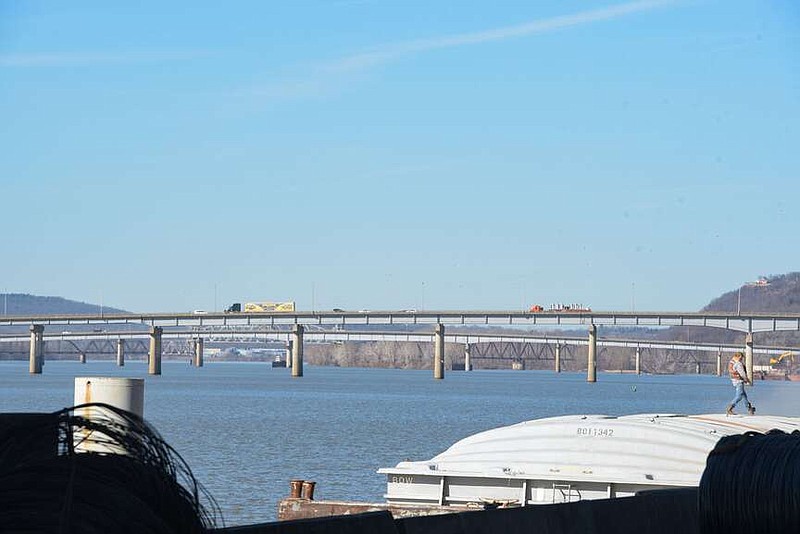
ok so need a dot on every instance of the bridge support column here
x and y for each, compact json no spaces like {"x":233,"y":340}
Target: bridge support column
{"x":591,"y":372}
{"x":467,"y":358}
{"x":748,"y":355}
{"x":289,"y":353}
{"x":638,"y":360}
{"x":82,"y":357}
{"x":154,"y":366}
{"x":120,"y":352}
{"x":698,"y":367}
{"x":719,"y":362}
{"x":297,"y":350}
{"x":438,"y":352}
{"x":558,"y":357}
{"x":36,"y":350}
{"x":198,"y":352}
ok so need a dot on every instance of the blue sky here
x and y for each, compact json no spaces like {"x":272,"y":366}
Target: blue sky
{"x":376,"y":154}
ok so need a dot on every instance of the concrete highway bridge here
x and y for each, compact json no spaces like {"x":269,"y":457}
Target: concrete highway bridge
{"x":328,"y":325}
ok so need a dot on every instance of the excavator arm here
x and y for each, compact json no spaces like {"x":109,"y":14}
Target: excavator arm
{"x":788,"y":354}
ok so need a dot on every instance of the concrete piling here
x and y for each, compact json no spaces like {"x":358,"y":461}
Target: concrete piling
{"x":36,"y":356}
{"x":154,"y":365}
{"x":297,"y":350}
{"x":82,"y":357}
{"x":289,"y":354}
{"x":558,"y":358}
{"x":748,"y":354}
{"x":591,"y":367}
{"x":198,"y":352}
{"x":120,"y":352}
{"x":719,"y":362}
{"x":438,"y":352}
{"x":638,"y":360}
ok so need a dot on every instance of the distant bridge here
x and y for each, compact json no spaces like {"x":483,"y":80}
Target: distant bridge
{"x":748,"y":323}
{"x":298,"y":322}
{"x":183,"y":340}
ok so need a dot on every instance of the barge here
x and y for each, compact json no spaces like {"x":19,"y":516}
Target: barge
{"x":570,"y":458}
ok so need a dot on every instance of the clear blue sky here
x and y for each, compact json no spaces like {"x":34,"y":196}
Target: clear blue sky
{"x":394,"y":154}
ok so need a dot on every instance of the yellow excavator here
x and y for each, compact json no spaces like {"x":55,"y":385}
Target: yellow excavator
{"x":783,"y":365}
{"x":783,"y":356}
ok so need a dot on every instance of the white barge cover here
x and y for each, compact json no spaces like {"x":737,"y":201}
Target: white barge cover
{"x":570,"y":458}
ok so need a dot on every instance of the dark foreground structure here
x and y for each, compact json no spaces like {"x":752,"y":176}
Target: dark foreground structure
{"x":657,"y":512}
{"x":97,"y":469}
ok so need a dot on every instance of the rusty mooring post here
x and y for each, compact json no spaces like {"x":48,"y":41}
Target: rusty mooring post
{"x":295,"y":487}
{"x":308,"y":490}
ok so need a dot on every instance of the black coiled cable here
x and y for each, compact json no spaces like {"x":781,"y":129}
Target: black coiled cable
{"x":95,"y":469}
{"x":751,"y":484}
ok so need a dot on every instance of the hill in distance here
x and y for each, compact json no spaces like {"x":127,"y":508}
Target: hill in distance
{"x":781,"y":295}
{"x":25,"y":304}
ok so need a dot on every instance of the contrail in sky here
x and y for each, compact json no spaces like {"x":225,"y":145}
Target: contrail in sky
{"x":324,"y":77}
{"x":386,"y":53}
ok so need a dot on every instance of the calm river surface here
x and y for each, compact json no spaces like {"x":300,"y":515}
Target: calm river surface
{"x":247,"y":429}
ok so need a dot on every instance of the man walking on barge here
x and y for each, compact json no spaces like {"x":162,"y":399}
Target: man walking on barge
{"x":739,"y":378}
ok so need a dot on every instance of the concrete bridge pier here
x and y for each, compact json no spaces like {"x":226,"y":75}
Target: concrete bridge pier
{"x":558,"y":358}
{"x":82,"y":357}
{"x":289,"y":353}
{"x":748,"y":355}
{"x":638,"y":360}
{"x":719,"y":362}
{"x":297,"y":352}
{"x":120,"y":352}
{"x":467,"y":358}
{"x":198,"y":352}
{"x":36,"y":349}
{"x":154,"y":365}
{"x":438,"y":352}
{"x":591,"y":372}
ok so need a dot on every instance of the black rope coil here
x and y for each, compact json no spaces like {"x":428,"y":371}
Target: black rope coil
{"x":109,"y":471}
{"x":751,"y":484}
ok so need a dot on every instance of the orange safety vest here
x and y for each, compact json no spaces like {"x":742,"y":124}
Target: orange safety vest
{"x":734,"y":374}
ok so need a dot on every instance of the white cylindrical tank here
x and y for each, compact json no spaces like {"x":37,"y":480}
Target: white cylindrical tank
{"x":124,"y":393}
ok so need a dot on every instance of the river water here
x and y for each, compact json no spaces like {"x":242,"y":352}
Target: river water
{"x":246,"y":429}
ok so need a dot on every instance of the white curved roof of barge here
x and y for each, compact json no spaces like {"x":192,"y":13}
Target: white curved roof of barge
{"x":661,"y":449}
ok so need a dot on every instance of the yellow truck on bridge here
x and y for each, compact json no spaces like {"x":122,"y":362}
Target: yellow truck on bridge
{"x":261,"y":307}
